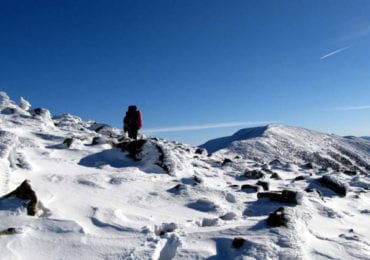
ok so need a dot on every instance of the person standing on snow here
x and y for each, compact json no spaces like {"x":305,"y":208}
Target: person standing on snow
{"x":132,"y":122}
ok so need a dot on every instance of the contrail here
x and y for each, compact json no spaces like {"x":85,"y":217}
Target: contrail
{"x":334,"y":52}
{"x":205,"y":126}
{"x":349,"y":108}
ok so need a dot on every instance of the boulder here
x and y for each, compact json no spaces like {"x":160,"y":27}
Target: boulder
{"x":197,"y":179}
{"x":238,"y":242}
{"x":299,"y":178}
{"x":133,"y":148}
{"x":253,"y":174}
{"x":277,"y":218}
{"x":201,"y":151}
{"x":264,"y":184}
{"x":249,"y":188}
{"x":275,"y":176}
{"x":226,"y":161}
{"x":285,"y":196}
{"x":332,"y":182}
{"x":25,"y":192}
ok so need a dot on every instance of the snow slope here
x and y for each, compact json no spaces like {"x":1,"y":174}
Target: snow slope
{"x":172,"y":202}
{"x":297,"y":145}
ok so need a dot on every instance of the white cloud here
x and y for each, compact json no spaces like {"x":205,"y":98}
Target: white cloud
{"x":349,"y":108}
{"x":334,"y":52}
{"x":205,"y":126}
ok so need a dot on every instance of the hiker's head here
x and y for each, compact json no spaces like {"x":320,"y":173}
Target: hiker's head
{"x":132,"y":108}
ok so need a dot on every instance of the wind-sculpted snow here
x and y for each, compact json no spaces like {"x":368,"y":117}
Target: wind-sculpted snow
{"x":102,"y":196}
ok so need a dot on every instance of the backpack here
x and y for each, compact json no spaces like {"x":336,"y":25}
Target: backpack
{"x":133,"y":118}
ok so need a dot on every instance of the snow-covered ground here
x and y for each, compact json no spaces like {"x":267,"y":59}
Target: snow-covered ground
{"x":172,"y":201}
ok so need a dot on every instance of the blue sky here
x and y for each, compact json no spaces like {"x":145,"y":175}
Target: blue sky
{"x":196,"y":69}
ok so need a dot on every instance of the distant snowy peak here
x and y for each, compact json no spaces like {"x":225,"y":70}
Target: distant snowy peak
{"x":297,"y":145}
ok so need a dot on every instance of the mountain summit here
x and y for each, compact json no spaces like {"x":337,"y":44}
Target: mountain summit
{"x":296,"y":145}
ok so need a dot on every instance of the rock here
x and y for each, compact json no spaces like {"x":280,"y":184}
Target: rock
{"x":226,"y":161}
{"x":350,"y":173}
{"x":8,"y":111}
{"x":234,"y":186}
{"x":201,"y":151}
{"x":179,"y":188}
{"x":9,"y":231}
{"x":164,"y":228}
{"x":228,"y":216}
{"x":238,"y":242}
{"x":209,"y":222}
{"x":264,"y":184}
{"x":133,"y":148}
{"x":203,"y":205}
{"x":25,"y":192}
{"x":99,"y":140}
{"x":197,"y":179}
{"x":285,"y":196}
{"x":162,"y":160}
{"x":230,"y":198}
{"x":332,"y":182}
{"x":275,"y":176}
{"x":299,"y":178}
{"x":68,"y":142}
{"x":253,"y":174}
{"x":308,"y":166}
{"x":276,"y":163}
{"x":249,"y":188}
{"x":314,"y":190}
{"x":277,"y":218}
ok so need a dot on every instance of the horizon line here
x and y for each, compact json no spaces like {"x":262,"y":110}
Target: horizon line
{"x":205,"y":126}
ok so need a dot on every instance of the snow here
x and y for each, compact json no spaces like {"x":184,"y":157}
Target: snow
{"x":97,"y":203}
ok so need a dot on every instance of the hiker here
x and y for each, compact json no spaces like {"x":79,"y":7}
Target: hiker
{"x":132,"y":122}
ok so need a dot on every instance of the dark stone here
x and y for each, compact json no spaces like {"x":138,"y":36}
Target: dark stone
{"x":275,"y":176}
{"x":68,"y":142}
{"x":331,"y":182}
{"x":201,"y":151}
{"x":285,"y":196}
{"x":299,"y":178}
{"x":253,"y":174}
{"x":314,"y":190}
{"x":249,"y":188}
{"x":309,"y":165}
{"x":99,"y":140}
{"x":234,"y":186}
{"x":9,"y":231}
{"x":8,"y":111}
{"x":350,"y":173}
{"x":264,"y":184}
{"x":277,"y":218}
{"x":179,"y":188}
{"x":161,"y":160}
{"x":197,"y":179}
{"x":25,"y":192}
{"x":276,"y":163}
{"x":39,"y":111}
{"x":238,"y":242}
{"x":132,"y":147}
{"x":226,"y":161}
